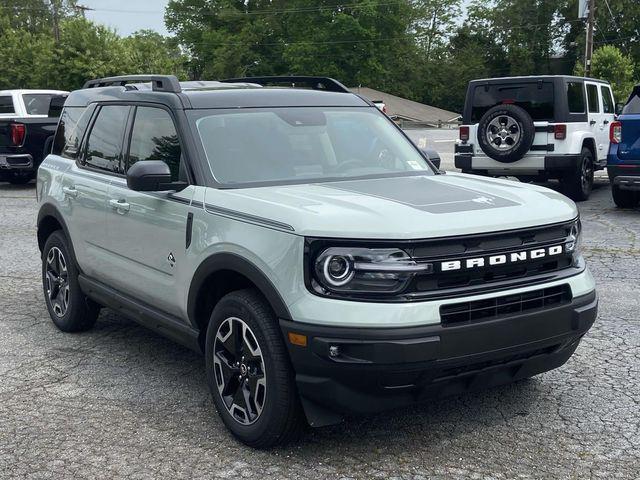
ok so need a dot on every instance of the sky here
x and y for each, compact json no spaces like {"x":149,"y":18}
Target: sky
{"x":127,"y":16}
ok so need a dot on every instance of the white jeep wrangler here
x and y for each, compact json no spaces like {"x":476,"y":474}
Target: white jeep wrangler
{"x":537,"y":128}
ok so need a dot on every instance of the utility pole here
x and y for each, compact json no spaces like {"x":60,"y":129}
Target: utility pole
{"x":591,"y":20}
{"x":82,"y":9}
{"x":56,"y":20}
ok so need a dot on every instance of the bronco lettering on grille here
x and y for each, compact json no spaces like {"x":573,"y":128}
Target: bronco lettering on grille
{"x":501,"y":259}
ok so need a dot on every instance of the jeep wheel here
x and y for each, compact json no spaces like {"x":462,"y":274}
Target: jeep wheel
{"x":505,"y":133}
{"x":249,"y":372}
{"x":69,"y":309}
{"x":625,"y":198}
{"x":579,"y":182}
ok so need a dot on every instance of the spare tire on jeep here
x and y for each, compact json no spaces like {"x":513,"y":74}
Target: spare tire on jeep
{"x":505,"y":133}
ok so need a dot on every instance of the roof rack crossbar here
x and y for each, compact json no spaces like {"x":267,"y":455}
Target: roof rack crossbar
{"x":159,"y":83}
{"x":316,"y":83}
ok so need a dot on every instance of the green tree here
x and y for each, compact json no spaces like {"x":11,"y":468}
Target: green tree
{"x":609,"y":63}
{"x":149,"y":52}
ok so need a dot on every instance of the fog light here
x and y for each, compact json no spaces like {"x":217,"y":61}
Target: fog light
{"x":334,"y":351}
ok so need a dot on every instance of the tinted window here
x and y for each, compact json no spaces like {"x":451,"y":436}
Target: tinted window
{"x":6,"y":104}
{"x":305,"y":144}
{"x":633,"y":104}
{"x":607,"y":100}
{"x":154,"y":137}
{"x":536,"y":98}
{"x":37,"y":103}
{"x":575,"y":97}
{"x":592,"y":96}
{"x":104,"y":146}
{"x":71,"y":127}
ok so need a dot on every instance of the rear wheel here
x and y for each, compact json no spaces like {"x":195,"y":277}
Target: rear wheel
{"x":69,"y":309}
{"x":579,"y":182}
{"x":249,"y":372}
{"x":625,"y":198}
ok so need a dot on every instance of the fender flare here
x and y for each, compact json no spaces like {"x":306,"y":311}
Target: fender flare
{"x":236,"y":263}
{"x":49,"y":210}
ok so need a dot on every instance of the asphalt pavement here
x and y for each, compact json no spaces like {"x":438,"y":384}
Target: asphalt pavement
{"x":122,"y":402}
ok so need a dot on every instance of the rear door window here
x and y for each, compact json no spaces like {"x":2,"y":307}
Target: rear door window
{"x":607,"y":100}
{"x":575,"y":97}
{"x":6,"y":104}
{"x":154,"y":137}
{"x":104,"y":145}
{"x":537,"y":98}
{"x":592,"y":97}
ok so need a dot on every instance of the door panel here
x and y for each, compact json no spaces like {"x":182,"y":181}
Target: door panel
{"x":598,"y":121}
{"x":86,"y":196}
{"x":146,"y":231}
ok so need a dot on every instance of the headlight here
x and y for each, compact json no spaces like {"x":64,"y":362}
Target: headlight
{"x":350,"y":270}
{"x":572,"y":244}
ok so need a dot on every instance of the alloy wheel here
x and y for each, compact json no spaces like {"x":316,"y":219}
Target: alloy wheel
{"x":57,"y":281}
{"x":503,"y":132}
{"x":586,"y":176}
{"x":239,"y":370}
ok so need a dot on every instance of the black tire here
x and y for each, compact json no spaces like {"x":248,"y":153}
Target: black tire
{"x":280,"y":419}
{"x":625,"y":198}
{"x":20,"y":179}
{"x":510,"y":145}
{"x":73,"y":312}
{"x":578,"y":182}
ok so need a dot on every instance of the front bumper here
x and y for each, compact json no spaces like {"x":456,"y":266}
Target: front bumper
{"x":16,"y":162}
{"x":382,"y":368}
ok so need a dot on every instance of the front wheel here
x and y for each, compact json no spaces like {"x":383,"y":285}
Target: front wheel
{"x":249,"y":372}
{"x":625,"y":198}
{"x":69,"y":309}
{"x":579,"y":182}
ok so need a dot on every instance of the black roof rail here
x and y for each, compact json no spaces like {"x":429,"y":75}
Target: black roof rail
{"x":159,"y":83}
{"x":316,"y":83}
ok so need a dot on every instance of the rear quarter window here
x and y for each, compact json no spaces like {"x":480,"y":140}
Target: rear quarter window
{"x":37,"y":103}
{"x":633,"y":104}
{"x":6,"y":104}
{"x":73,"y":122}
{"x":537,"y":98}
{"x":607,"y":100}
{"x":575,"y":97}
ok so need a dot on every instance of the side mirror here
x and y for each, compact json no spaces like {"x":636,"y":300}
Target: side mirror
{"x":431,"y":155}
{"x":152,"y":176}
{"x":619,"y":107}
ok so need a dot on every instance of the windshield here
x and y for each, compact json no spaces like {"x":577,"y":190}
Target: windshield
{"x":304,"y":144}
{"x":37,"y":103}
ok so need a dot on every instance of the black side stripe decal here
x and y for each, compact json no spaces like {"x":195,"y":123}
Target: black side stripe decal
{"x":248,"y":218}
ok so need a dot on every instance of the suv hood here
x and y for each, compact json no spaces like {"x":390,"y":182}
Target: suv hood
{"x":400,"y":208}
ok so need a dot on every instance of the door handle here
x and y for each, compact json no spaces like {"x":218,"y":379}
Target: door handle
{"x":70,"y":192}
{"x":606,"y":122}
{"x":119,"y":205}
{"x":592,"y":122}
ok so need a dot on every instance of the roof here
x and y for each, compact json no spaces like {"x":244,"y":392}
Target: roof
{"x":398,"y":107}
{"x":217,"y":95}
{"x":22,"y":91}
{"x":534,"y":77}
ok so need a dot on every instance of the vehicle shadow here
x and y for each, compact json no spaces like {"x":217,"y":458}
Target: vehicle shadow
{"x":161,"y":373}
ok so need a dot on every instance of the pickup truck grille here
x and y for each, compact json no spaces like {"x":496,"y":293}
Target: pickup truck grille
{"x":498,"y":261}
{"x":481,"y":310}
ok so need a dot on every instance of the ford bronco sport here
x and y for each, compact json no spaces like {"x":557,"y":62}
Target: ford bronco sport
{"x":537,"y":128}
{"x":301,"y":242}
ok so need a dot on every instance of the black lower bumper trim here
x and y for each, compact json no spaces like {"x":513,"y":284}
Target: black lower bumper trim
{"x":561,"y":162}
{"x":354,"y":371}
{"x":627,"y":183}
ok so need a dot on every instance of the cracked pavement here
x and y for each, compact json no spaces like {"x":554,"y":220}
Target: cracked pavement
{"x":122,"y":402}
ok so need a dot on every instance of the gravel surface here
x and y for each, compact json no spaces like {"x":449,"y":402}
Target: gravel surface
{"x":120,"y":401}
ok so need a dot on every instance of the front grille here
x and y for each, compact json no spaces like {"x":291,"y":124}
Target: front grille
{"x":444,"y":283}
{"x":482,"y":310}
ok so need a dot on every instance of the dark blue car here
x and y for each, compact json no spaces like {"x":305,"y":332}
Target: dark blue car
{"x":623,"y":161}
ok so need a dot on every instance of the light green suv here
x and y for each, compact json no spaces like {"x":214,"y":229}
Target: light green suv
{"x":298,"y":239}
